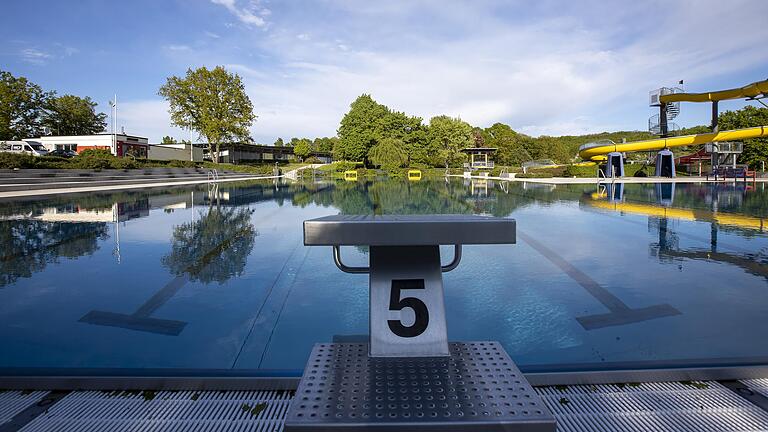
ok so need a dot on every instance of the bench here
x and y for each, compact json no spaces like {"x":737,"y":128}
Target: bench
{"x":731,"y":172}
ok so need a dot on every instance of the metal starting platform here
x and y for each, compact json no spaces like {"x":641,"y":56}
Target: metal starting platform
{"x":409,"y":377}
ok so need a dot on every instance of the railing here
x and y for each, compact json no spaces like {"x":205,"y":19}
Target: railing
{"x":599,"y":143}
{"x":480,"y":165}
{"x":724,"y":147}
{"x":213,"y":175}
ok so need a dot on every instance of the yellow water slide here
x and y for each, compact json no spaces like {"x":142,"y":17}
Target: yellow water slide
{"x":597,"y":151}
{"x":750,"y":91}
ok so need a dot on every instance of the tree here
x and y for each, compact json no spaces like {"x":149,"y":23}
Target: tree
{"x":410,"y":131}
{"x":324,"y":144}
{"x":211,"y":102}
{"x":755,"y":149}
{"x":168,"y":140}
{"x":389,"y":154}
{"x":279,"y":142}
{"x":22,"y":107}
{"x":447,"y":136}
{"x":360,"y":128}
{"x":73,"y":115}
{"x":302,"y":149}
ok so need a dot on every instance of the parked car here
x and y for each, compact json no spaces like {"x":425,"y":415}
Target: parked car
{"x":62,"y":153}
{"x":23,"y":147}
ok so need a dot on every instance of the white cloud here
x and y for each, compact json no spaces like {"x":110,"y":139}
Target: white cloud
{"x":212,"y":35}
{"x":584,"y":68}
{"x":178,"y":48}
{"x":35,"y":56}
{"x":250,"y":15}
{"x":553,"y":75}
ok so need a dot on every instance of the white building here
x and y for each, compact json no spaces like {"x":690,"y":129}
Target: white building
{"x":118,"y":144}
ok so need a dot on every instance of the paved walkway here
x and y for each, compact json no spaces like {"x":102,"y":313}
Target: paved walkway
{"x":44,"y":191}
{"x":594,"y":180}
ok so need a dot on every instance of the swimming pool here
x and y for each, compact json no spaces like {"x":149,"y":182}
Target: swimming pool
{"x":217,"y":278}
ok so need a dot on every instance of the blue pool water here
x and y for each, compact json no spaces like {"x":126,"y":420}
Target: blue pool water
{"x":199,"y":278}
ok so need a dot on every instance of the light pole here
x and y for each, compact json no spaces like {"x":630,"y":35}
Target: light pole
{"x":114,"y":124}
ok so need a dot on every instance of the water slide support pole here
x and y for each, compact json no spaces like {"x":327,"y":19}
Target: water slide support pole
{"x":663,"y":126}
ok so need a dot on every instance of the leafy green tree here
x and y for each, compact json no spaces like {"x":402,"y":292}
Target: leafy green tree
{"x":303,"y":148}
{"x":73,"y":115}
{"x":211,"y":102}
{"x":447,"y":137}
{"x":293,"y":142}
{"x":168,"y":140}
{"x":22,"y":107}
{"x":509,"y":143}
{"x":360,"y":128}
{"x":410,"y":131}
{"x":324,"y":144}
{"x":389,"y":154}
{"x":755,"y":149}
{"x":279,"y":142}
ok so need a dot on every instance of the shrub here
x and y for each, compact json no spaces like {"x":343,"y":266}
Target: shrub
{"x":341,"y":166}
{"x":312,"y":160}
{"x":580,"y":171}
{"x":15,"y":160}
{"x":95,"y":153}
{"x":181,"y":164}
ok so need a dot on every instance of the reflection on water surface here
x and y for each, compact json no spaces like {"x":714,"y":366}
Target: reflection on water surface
{"x":218,"y":277}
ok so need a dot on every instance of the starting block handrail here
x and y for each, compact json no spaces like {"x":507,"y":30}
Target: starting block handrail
{"x":362,"y":270}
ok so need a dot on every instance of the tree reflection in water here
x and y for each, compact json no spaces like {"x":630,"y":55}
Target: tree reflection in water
{"x":214,"y":247}
{"x":28,"y":246}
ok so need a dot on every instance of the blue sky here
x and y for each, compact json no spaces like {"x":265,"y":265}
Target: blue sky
{"x":543,"y":67}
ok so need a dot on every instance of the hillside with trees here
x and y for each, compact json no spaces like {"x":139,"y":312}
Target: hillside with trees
{"x":376,"y":135}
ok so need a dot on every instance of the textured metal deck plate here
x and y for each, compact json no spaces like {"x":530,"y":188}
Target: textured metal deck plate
{"x":477,"y":388}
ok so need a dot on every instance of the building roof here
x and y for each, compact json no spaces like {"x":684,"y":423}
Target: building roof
{"x":97,"y":134}
{"x":479,"y":150}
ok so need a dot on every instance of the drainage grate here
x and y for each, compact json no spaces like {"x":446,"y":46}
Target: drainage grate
{"x":166,"y":410}
{"x":694,"y":406}
{"x":477,"y":388}
{"x":759,"y":385}
{"x":14,"y":402}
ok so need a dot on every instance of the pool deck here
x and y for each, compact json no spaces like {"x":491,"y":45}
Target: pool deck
{"x":595,"y":180}
{"x":77,"y":187}
{"x":654,"y":406}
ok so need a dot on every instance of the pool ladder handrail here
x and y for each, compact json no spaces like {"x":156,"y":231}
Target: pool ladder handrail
{"x":213,"y":175}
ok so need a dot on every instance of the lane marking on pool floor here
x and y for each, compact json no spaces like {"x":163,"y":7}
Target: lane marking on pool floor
{"x":620,"y":313}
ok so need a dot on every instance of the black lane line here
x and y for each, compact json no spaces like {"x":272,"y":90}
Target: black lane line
{"x":33,"y":411}
{"x":620,"y":313}
{"x":747,"y":393}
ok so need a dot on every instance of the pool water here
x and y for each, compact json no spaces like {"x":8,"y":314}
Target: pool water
{"x":218,"y":278}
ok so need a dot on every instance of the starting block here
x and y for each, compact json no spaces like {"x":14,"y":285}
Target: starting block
{"x":409,"y":377}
